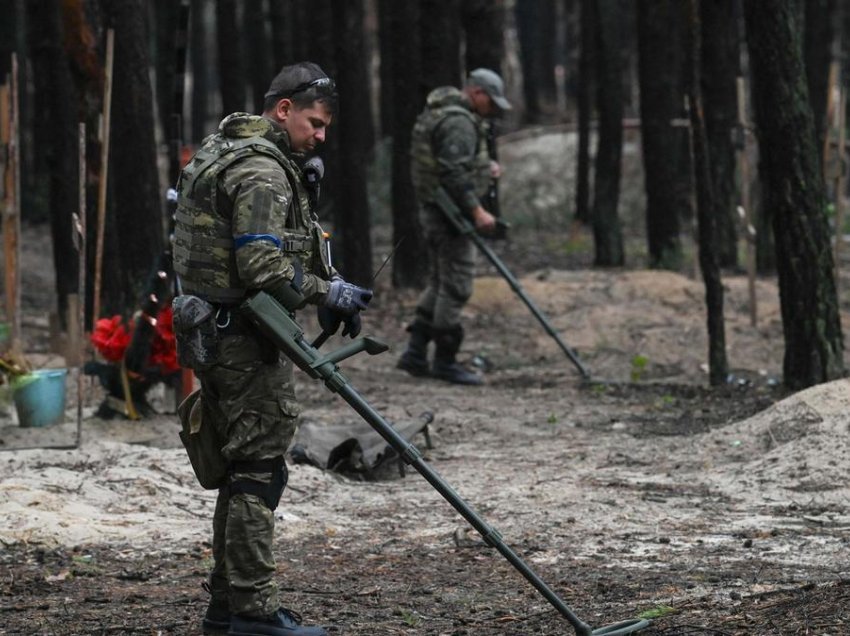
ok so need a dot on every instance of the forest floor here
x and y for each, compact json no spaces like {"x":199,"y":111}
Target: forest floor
{"x":642,"y":492}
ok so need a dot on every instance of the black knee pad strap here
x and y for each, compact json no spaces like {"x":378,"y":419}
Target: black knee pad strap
{"x":271,"y":492}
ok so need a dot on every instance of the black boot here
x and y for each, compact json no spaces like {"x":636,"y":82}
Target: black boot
{"x":415,"y":358}
{"x":217,"y":617}
{"x":445,"y":366}
{"x":283,"y":623}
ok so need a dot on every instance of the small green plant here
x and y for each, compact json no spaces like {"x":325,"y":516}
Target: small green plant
{"x":657,"y":612}
{"x":639,"y":363}
{"x":552,"y":419}
{"x":411,"y":618}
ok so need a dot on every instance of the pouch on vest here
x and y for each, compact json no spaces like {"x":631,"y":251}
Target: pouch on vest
{"x":195,"y":332}
{"x":202,"y":442}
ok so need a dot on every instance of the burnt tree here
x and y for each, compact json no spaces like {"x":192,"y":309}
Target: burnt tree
{"x":231,"y":74}
{"x":607,"y":233}
{"x":401,"y":19}
{"x":355,"y":133}
{"x":719,"y":72}
{"x":134,"y":228}
{"x":718,"y":366}
{"x":820,"y":17}
{"x":584,"y":106}
{"x":483,"y":23}
{"x":793,"y":190}
{"x":258,"y":51}
{"x":439,"y":33}
{"x":660,"y":60}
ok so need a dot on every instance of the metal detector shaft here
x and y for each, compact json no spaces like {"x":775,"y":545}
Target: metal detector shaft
{"x":453,"y":214}
{"x":279,"y":325}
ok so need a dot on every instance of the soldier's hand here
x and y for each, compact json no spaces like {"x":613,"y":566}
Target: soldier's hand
{"x":352,"y":325}
{"x":484,"y":221}
{"x":329,"y":320}
{"x":347,"y":298}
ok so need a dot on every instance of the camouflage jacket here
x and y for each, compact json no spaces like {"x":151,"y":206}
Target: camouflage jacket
{"x":243,"y":216}
{"x":448,"y":148}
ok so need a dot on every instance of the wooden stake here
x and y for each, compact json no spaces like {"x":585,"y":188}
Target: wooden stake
{"x":12,"y":207}
{"x":79,"y":238}
{"x":744,"y":208}
{"x":832,"y":79}
{"x":104,"y":175}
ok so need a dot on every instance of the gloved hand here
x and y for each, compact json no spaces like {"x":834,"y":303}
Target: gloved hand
{"x":347,"y":298}
{"x":352,"y":325}
{"x":329,"y":320}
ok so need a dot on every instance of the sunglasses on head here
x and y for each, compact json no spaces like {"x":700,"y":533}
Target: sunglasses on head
{"x":324,"y":83}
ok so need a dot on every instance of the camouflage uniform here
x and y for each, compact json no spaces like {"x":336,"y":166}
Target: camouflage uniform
{"x":448,"y":148}
{"x":242,"y":223}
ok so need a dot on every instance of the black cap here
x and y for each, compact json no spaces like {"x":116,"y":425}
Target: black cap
{"x":301,"y":77}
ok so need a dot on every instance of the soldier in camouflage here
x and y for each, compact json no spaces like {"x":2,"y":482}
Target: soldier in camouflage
{"x":244,"y":222}
{"x":448,"y":149}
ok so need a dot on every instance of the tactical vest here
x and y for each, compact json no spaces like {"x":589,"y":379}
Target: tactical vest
{"x":441,"y":104}
{"x":204,"y":255}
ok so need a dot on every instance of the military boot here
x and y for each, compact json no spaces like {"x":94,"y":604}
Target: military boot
{"x":414,"y":360}
{"x":445,"y":366}
{"x":217,"y":617}
{"x":283,"y":623}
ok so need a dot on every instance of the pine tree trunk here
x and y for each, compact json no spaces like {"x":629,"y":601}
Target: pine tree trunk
{"x":718,"y":367}
{"x":134,"y":231}
{"x":231,"y":76}
{"x":355,"y":138}
{"x":820,"y":17}
{"x":660,"y":61}
{"x":584,"y":103}
{"x":607,"y":234}
{"x":439,"y":34}
{"x":720,"y":54}
{"x":410,"y":263}
{"x":200,"y":73}
{"x":484,"y":27}
{"x":282,"y":19}
{"x":527,"y":13}
{"x":258,"y":52}
{"x":793,"y":191}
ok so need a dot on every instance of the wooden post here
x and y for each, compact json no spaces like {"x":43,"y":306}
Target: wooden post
{"x":10,"y":124}
{"x":104,"y":175}
{"x":832,"y":79}
{"x":840,"y":172}
{"x":744,"y":208}
{"x":78,"y":229}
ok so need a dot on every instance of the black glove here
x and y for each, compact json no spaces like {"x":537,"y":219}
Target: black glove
{"x":347,"y":298}
{"x":352,"y":325}
{"x":329,"y":320}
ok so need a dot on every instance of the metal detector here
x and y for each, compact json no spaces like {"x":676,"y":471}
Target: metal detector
{"x":279,"y":325}
{"x":462,"y":225}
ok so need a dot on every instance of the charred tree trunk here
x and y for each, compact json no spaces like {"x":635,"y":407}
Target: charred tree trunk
{"x":720,"y":54}
{"x":484,"y":26}
{"x":200,"y":72}
{"x":231,"y":75}
{"x":607,"y":234}
{"x":165,"y":24}
{"x":282,"y":19}
{"x":660,"y":61}
{"x":718,"y":367}
{"x":355,"y":135}
{"x":793,"y":190}
{"x":55,"y":93}
{"x":410,"y":264}
{"x":584,"y":103}
{"x":134,"y":232}
{"x":258,"y":51}
{"x":439,"y":34}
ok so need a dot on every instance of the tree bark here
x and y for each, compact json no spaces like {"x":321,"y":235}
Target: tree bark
{"x":385,"y":72}
{"x":355,"y":137}
{"x":410,"y":264}
{"x":484,"y":28}
{"x":720,"y":54}
{"x":660,"y":62}
{"x":820,"y":17}
{"x":282,"y":19}
{"x":439,"y":34}
{"x":55,"y":93}
{"x":134,"y":231}
{"x":258,"y":51}
{"x":200,"y":73}
{"x":607,"y":234}
{"x":718,"y":367}
{"x":793,"y":191}
{"x":231,"y":78}
{"x":584,"y":104}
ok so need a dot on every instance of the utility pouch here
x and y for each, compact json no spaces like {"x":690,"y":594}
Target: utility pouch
{"x":203,"y":443}
{"x":195,"y":332}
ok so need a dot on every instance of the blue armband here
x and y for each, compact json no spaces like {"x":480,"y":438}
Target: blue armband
{"x":243,"y":240}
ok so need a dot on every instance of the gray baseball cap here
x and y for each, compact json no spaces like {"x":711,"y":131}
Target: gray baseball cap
{"x":492,"y":85}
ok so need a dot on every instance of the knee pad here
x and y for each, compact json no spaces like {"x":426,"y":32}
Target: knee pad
{"x":269,"y":492}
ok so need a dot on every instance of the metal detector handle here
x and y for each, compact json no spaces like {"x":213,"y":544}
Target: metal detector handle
{"x":462,"y":225}
{"x":279,"y":325}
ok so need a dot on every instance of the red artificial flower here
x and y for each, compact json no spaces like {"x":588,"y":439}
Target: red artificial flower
{"x":111,"y":338}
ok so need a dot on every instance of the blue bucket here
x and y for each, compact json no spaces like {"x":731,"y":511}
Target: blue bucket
{"x":40,"y":397}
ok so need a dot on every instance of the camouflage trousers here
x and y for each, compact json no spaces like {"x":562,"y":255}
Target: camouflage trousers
{"x":452,"y":259}
{"x":252,"y":404}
